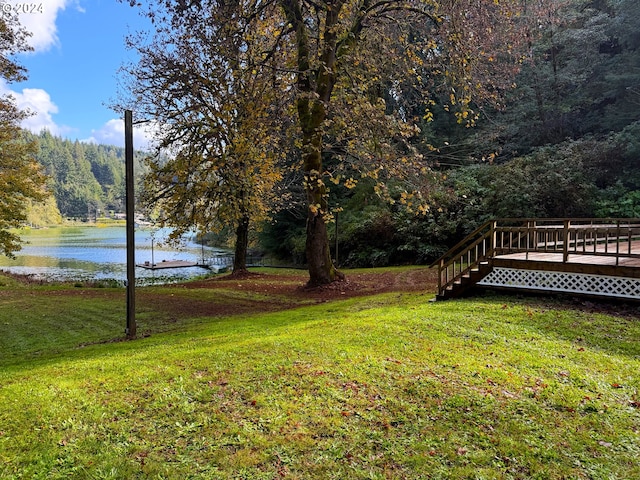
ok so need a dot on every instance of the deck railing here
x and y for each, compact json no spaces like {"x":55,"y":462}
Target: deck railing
{"x":465,"y":256}
{"x":612,"y":237}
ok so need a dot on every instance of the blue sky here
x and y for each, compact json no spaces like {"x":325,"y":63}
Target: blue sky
{"x":78,"y":49}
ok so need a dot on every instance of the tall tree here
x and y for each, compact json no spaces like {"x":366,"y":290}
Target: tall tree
{"x":220,"y":146}
{"x":346,"y":63}
{"x":21,"y":179}
{"x":356,"y":59}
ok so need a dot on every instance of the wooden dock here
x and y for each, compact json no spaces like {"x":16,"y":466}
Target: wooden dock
{"x":598,"y":257}
{"x":169,"y":264}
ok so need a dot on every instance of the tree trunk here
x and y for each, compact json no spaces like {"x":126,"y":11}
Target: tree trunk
{"x":242,"y":243}
{"x":315,"y":87}
{"x":321,"y":268}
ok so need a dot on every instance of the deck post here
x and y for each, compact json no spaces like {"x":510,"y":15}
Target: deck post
{"x":440,"y":269}
{"x":494,"y":238}
{"x":565,"y":242}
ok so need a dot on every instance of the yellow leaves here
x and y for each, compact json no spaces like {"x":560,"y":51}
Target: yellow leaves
{"x":431,"y":148}
{"x":350,"y":183}
{"x":315,"y":208}
{"x":423,"y":209}
{"x":414,"y":202}
{"x":374,"y":174}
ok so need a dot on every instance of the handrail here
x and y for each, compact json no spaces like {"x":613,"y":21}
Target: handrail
{"x":611,"y":237}
{"x":466,"y":255}
{"x":451,"y":252}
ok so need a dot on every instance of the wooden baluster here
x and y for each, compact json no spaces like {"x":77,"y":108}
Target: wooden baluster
{"x":617,"y":242}
{"x":565,"y":245}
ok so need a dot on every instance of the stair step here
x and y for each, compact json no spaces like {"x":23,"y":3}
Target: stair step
{"x":465,"y":280}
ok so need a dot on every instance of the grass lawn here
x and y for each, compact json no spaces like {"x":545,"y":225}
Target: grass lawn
{"x":382,"y":386}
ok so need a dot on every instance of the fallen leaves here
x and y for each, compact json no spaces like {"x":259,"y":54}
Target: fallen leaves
{"x":393,"y":360}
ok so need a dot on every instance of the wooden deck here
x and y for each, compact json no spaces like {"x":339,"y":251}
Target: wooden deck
{"x":599,"y":263}
{"x":168,"y":264}
{"x":585,"y":256}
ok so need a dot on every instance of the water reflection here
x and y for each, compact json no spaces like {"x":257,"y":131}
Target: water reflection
{"x":93,"y":253}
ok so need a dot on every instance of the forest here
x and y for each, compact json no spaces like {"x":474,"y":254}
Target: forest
{"x":564,"y":141}
{"x":85,"y":180}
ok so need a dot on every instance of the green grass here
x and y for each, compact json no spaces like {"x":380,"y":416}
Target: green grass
{"x":390,"y":386}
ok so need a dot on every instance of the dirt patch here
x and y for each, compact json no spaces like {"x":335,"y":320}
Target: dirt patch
{"x":271,"y":292}
{"x":354,"y":284}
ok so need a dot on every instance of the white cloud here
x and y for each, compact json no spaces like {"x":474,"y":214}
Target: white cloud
{"x":112,"y":133}
{"x":41,"y":22}
{"x":37,"y":102}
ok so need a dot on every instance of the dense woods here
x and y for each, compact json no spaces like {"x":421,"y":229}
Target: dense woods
{"x":565,"y":141}
{"x":561,"y":139}
{"x":86,"y":180}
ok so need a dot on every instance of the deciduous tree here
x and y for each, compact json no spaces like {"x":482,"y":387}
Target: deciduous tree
{"x":353,"y":68}
{"x":21,"y":179}
{"x":219,"y":152}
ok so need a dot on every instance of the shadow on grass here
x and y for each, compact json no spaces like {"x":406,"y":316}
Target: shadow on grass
{"x":608,"y":325}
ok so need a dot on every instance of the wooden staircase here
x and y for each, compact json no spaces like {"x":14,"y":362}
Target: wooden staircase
{"x":464,"y":283}
{"x":467,"y":263}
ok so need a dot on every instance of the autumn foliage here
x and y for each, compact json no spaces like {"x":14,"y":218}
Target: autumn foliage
{"x":355,"y":78}
{"x":21,"y":178}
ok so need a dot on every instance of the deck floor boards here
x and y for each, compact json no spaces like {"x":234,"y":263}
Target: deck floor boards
{"x":583,"y":259}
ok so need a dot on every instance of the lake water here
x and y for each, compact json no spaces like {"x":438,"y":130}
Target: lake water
{"x":95,"y":253}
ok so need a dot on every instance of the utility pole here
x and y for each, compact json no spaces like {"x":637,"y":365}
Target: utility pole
{"x":130,"y":209}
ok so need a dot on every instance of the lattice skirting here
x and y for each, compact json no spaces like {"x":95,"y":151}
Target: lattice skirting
{"x":601,"y":285}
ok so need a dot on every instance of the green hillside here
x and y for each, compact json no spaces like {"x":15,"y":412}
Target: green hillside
{"x":86,"y":180}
